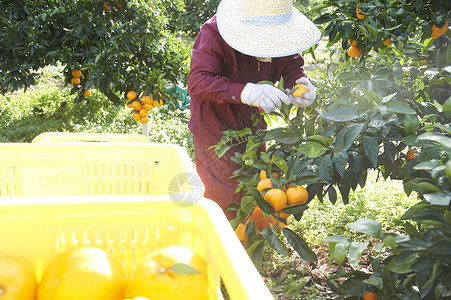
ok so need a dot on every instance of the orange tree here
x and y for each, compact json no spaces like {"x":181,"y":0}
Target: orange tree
{"x":387,"y":110}
{"x":119,"y":45}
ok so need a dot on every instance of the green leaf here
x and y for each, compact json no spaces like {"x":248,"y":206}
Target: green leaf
{"x":262,"y":203}
{"x":325,"y":168}
{"x":423,"y":185}
{"x":377,"y":282}
{"x":371,"y":30}
{"x":312,"y":149}
{"x":355,"y":251}
{"x":340,"y":162}
{"x":400,"y":107}
{"x":299,"y":245}
{"x":339,"y":252}
{"x":351,"y":134}
{"x":410,"y":124}
{"x":295,"y":209}
{"x":341,"y":114}
{"x":274,"y":241}
{"x":441,"y":247}
{"x":255,"y":252}
{"x":183,"y":269}
{"x":281,"y":163}
{"x":371,"y":149}
{"x":438,"y":198}
{"x":390,"y":241}
{"x":367,"y":226}
{"x":332,"y":193}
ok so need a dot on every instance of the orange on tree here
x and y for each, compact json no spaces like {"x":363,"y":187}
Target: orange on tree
{"x":119,"y":5}
{"x":75,"y":80}
{"x":86,"y":93}
{"x":136,"y":116}
{"x":438,"y":32}
{"x":131,"y":95}
{"x":144,"y":119}
{"x":154,"y":278}
{"x":359,"y":13}
{"x":76,"y":73}
{"x":387,"y":42}
{"x":354,"y":51}
{"x":143,"y":112}
{"x":263,"y":174}
{"x":157,"y":103}
{"x":136,"y":105}
{"x":301,"y":89}
{"x":277,"y":198}
{"x":296,"y":195}
{"x":84,"y":272}
{"x":369,"y":296}
{"x":264,"y":184}
{"x":411,"y":154}
{"x":106,"y":6}
{"x":17,"y":280}
{"x":260,"y":220}
{"x":148,"y":106}
{"x":240,"y":231}
{"x":353,"y":43}
{"x":147,"y":100}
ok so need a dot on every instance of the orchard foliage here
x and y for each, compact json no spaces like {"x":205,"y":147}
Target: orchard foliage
{"x":120,"y":45}
{"x":387,"y":111}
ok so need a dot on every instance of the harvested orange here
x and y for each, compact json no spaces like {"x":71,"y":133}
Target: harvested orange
{"x":86,"y":93}
{"x":301,"y":89}
{"x":359,"y":13}
{"x":154,"y":278}
{"x":354,"y":51}
{"x":75,"y":80}
{"x":296,"y":194}
{"x":240,"y":231}
{"x":136,"y":105}
{"x":263,"y":174}
{"x":387,"y":42}
{"x":17,"y":280}
{"x":438,"y":32}
{"x":76,"y":73}
{"x":277,"y":198}
{"x":369,"y":296}
{"x":132,"y":95}
{"x":87,"y":273}
{"x":264,"y":184}
{"x":411,"y":154}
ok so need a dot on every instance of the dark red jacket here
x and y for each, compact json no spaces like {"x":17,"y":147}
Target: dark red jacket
{"x":217,"y":77}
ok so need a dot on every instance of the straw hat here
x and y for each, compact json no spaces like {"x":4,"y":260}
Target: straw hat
{"x":265,"y":28}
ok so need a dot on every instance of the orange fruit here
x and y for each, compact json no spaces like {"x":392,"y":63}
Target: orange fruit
{"x":264,"y":184}
{"x":438,"y":32}
{"x":283,"y":215}
{"x":147,"y":99}
{"x":411,"y":154}
{"x":106,"y":6}
{"x":86,"y":93}
{"x":359,"y":13}
{"x":143,"y":112}
{"x":353,"y":43}
{"x":301,"y":89}
{"x":75,"y":80}
{"x":160,"y":103}
{"x":119,"y":5}
{"x":144,"y":119}
{"x":240,"y":231}
{"x":132,"y":95}
{"x":76,"y":73}
{"x":136,"y":105}
{"x":87,"y":273}
{"x":86,"y":73}
{"x":260,"y":221}
{"x":136,"y":116}
{"x":154,"y":279}
{"x":369,"y":296}
{"x":354,"y":51}
{"x":263,"y":174}
{"x":387,"y":42}
{"x":148,"y":106}
{"x":296,"y":194}
{"x":17,"y":280}
{"x":277,"y":198}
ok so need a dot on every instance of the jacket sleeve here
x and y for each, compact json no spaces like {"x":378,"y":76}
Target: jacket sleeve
{"x":207,"y":62}
{"x":294,"y":69}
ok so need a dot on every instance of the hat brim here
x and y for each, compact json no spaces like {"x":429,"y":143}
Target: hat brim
{"x":292,"y":37}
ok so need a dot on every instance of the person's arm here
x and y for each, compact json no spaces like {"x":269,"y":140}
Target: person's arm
{"x":207,"y":62}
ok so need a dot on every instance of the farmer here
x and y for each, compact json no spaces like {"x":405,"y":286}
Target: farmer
{"x":247,"y":41}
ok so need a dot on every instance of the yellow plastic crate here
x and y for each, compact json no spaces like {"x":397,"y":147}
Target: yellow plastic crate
{"x":128,"y":198}
{"x":87,"y":168}
{"x":57,"y":137}
{"x":36,"y":229}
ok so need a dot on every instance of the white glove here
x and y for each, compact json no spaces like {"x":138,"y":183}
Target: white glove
{"x":308,"y":97}
{"x":264,"y":96}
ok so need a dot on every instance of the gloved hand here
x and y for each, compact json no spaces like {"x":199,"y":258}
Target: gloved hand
{"x":264,"y":96}
{"x":307,"y":98}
